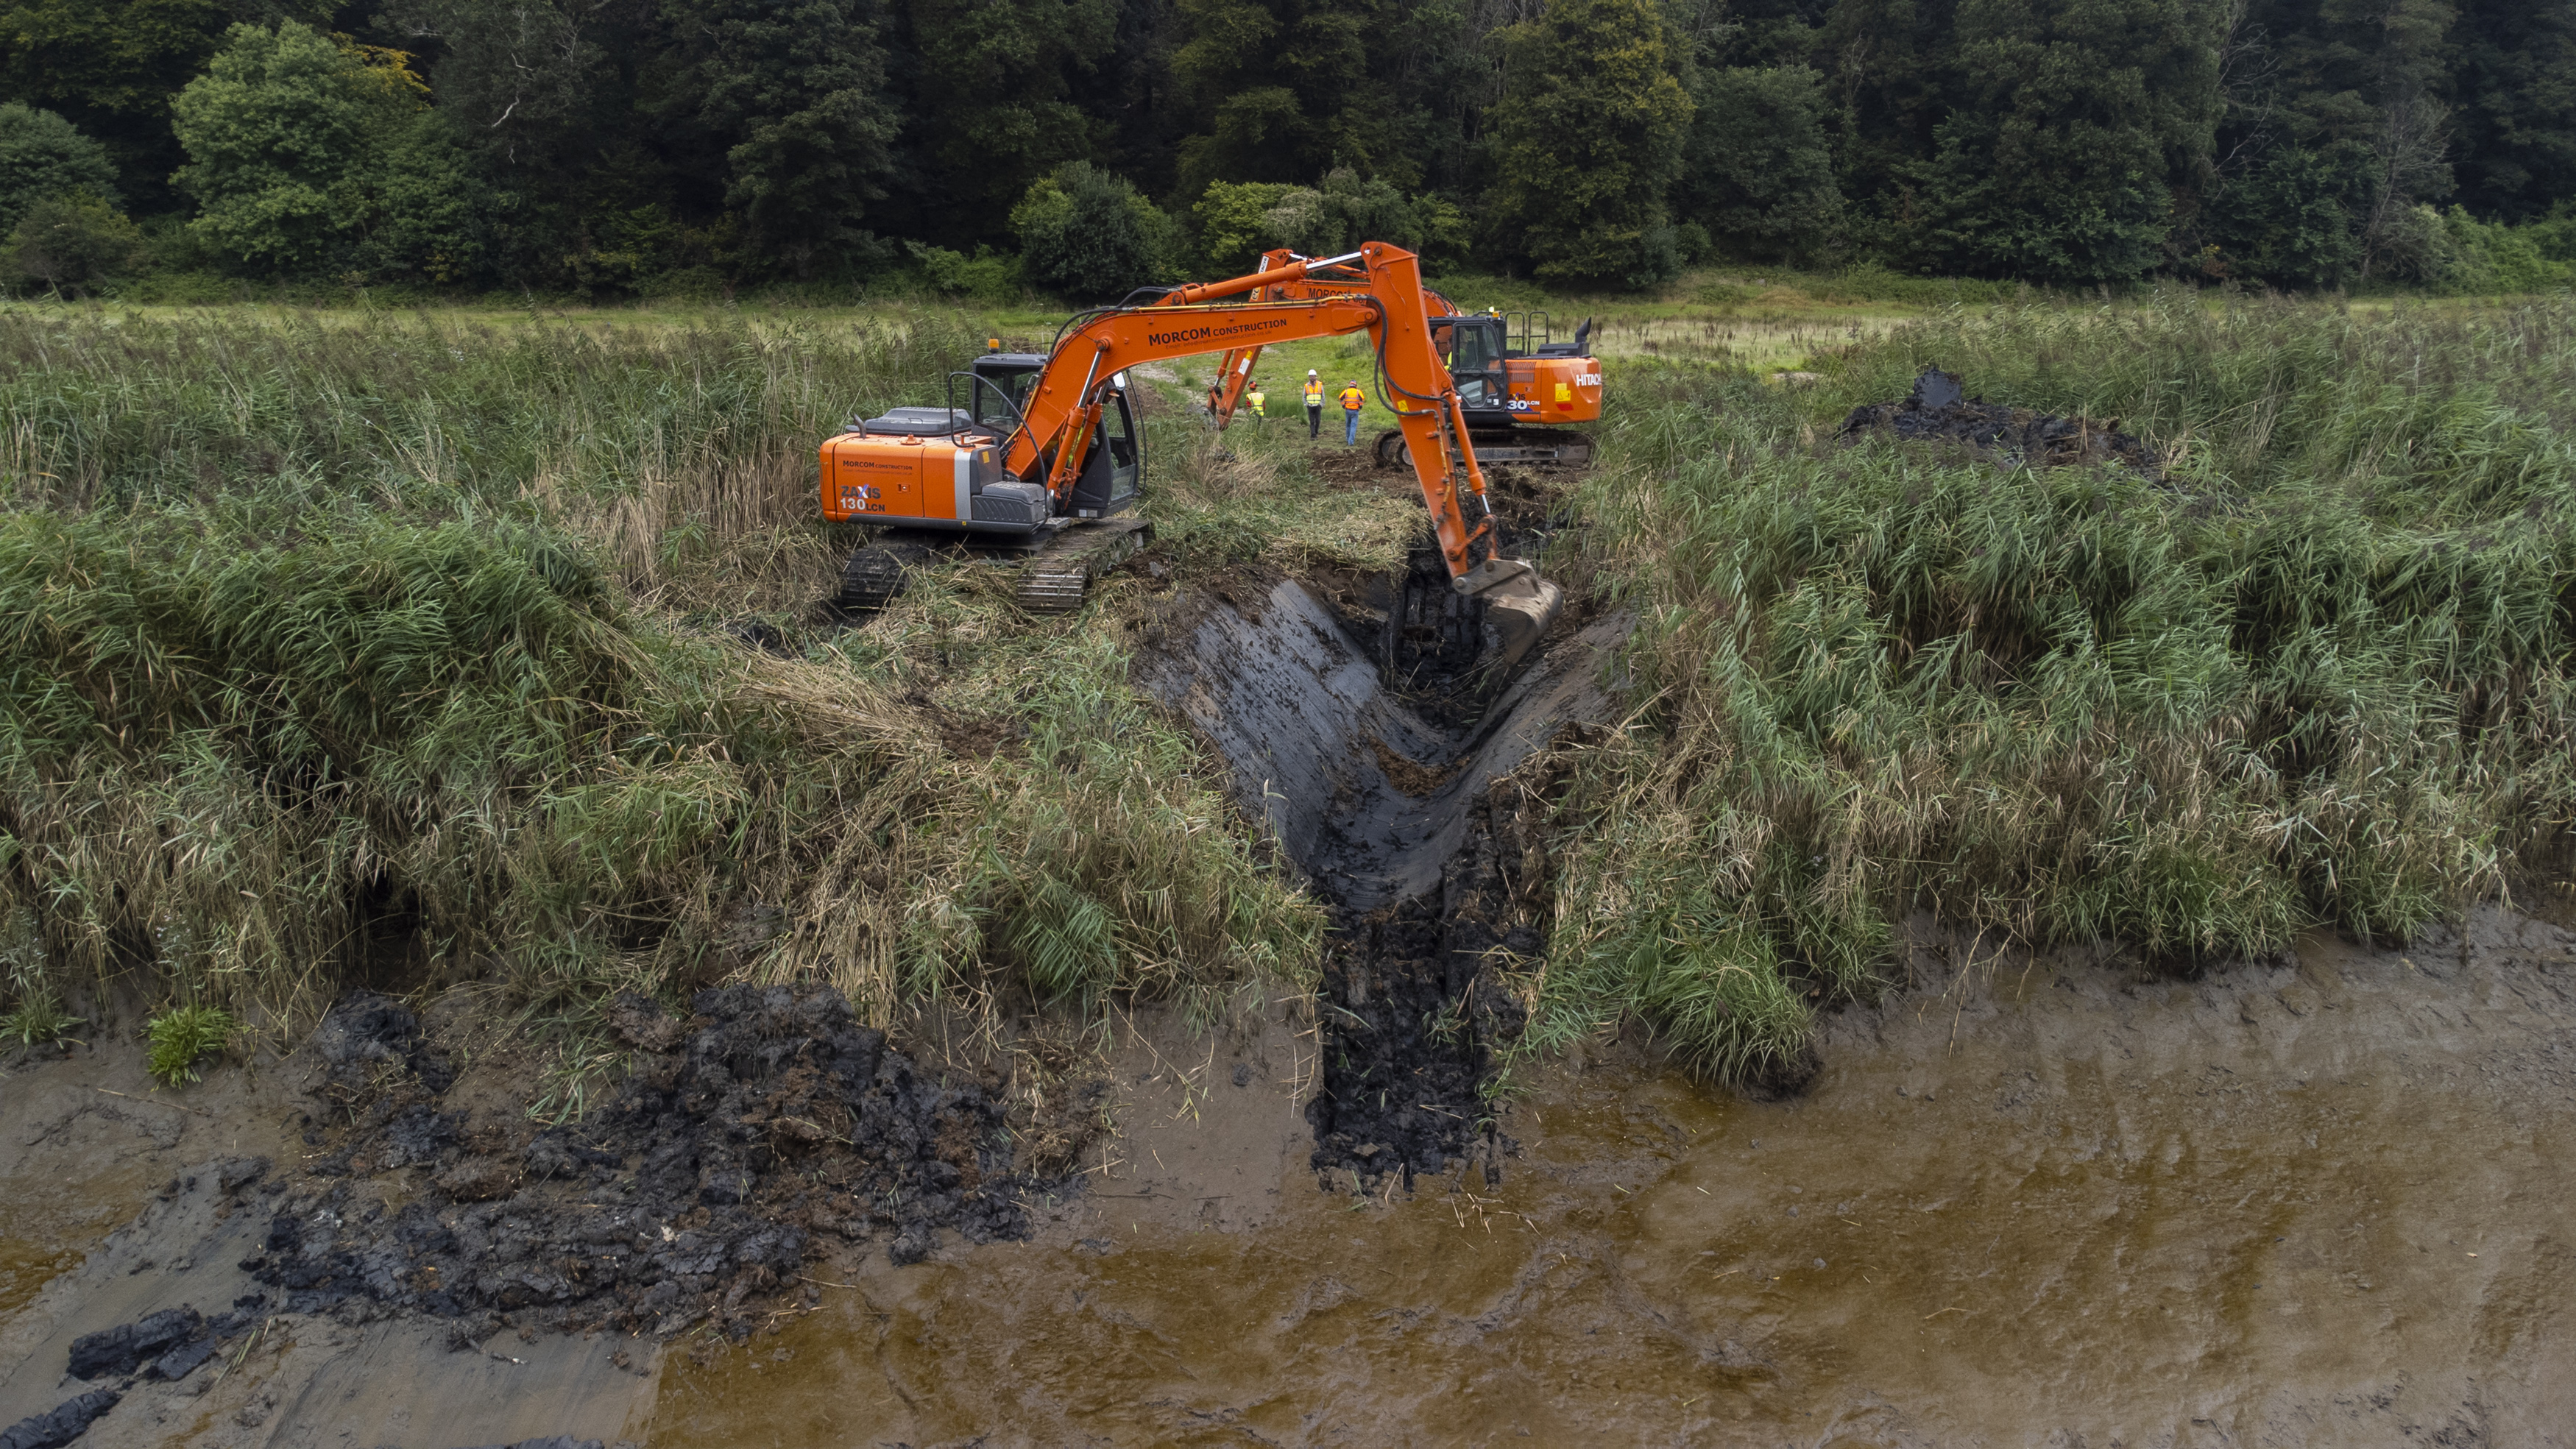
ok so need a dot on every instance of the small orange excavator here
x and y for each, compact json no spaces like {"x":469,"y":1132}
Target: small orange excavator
{"x":1047,"y":453}
{"x":1520,"y":402}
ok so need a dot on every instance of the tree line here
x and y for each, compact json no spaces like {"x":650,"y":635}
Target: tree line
{"x":623,"y":147}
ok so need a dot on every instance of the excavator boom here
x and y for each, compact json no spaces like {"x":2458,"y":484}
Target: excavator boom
{"x":1520,"y":402}
{"x":1023,"y":467}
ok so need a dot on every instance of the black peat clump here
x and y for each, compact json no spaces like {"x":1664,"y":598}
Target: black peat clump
{"x":62,"y":1424}
{"x":1938,"y":411}
{"x":743,"y":1133}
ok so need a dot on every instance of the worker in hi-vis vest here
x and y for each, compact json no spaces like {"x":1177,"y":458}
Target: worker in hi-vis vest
{"x":1352,"y":400}
{"x":1256,"y":398}
{"x":1314,"y":404}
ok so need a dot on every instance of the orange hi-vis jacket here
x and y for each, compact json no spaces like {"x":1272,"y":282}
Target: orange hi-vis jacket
{"x":1314,"y":394}
{"x":1352,"y":399}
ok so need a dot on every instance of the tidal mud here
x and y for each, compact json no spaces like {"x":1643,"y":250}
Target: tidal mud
{"x":2058,"y":1201}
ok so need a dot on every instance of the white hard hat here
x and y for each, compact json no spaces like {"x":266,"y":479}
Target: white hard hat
{"x":1310,"y":372}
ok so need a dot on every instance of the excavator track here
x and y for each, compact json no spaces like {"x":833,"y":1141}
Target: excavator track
{"x":1056,"y":574}
{"x":1501,"y":445}
{"x":1055,"y":568}
{"x":875,"y":574}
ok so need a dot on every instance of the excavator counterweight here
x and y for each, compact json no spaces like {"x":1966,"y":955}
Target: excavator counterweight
{"x":1046,"y":447}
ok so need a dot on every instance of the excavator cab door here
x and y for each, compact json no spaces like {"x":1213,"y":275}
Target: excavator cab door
{"x":1002,"y":383}
{"x":1474,"y":348}
{"x":1113,"y":471}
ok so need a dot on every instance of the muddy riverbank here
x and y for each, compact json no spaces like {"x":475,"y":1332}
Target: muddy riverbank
{"x":2319,"y":1202}
{"x":2316,"y":1200}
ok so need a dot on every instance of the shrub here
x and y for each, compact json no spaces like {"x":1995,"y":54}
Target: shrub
{"x":1088,"y":234}
{"x":44,"y":156}
{"x":74,"y":244}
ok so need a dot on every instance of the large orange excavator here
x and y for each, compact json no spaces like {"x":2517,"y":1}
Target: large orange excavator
{"x":1521,"y":403}
{"x":1047,"y":454}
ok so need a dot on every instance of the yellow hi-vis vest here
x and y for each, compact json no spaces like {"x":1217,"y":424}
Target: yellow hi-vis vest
{"x":1256,"y":399}
{"x":1353,"y":399}
{"x":1314,"y":394}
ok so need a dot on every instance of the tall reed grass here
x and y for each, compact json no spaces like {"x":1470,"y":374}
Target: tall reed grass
{"x":318,"y":632}
{"x":2317,"y":674}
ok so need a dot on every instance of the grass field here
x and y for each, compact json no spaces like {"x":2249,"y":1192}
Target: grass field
{"x":331,"y":632}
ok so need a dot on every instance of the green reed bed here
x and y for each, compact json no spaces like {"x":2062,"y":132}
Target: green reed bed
{"x":2317,"y":673}
{"x":314,"y":633}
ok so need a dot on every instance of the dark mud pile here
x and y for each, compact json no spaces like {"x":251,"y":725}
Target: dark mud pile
{"x":743,"y":1134}
{"x":1937,"y":411}
{"x":1417,"y":1005}
{"x":62,"y":1424}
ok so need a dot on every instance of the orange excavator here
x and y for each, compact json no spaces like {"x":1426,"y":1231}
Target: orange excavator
{"x":1521,"y":402}
{"x":1046,"y":455}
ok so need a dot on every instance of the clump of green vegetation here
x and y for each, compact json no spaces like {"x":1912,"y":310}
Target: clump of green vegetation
{"x":38,"y":1018}
{"x":183,"y":1036}
{"x":313,"y":626}
{"x":2319,"y":673}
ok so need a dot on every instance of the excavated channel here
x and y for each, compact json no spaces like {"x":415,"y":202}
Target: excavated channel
{"x":1413,"y":815}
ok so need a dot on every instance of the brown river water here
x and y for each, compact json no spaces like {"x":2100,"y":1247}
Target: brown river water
{"x":2331,"y":1201}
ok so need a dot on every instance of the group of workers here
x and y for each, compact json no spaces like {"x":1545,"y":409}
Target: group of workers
{"x":1351,"y":399}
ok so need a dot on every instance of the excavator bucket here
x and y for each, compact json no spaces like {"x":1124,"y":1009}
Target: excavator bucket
{"x":1520,"y":605}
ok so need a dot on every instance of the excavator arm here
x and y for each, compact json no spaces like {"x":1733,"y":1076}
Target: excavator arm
{"x":1386,"y":300}
{"x":1234,"y":372}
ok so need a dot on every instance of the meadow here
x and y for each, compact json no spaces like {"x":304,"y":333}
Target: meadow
{"x":477,"y":646}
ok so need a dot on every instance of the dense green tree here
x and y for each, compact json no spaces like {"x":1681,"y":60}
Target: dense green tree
{"x":1088,"y":234}
{"x":1589,"y":140}
{"x":1234,"y":223}
{"x":796,"y":95}
{"x":2290,"y":219}
{"x":112,"y":66}
{"x":994,"y":90}
{"x":1888,"y":76}
{"x":42,"y":155}
{"x":619,"y":146}
{"x":1281,"y":90}
{"x":2514,"y":106}
{"x":1759,"y":169}
{"x":2071,"y":120}
{"x":308,"y":155}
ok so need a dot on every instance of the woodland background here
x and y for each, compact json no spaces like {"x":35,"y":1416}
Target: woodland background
{"x":625,"y":148}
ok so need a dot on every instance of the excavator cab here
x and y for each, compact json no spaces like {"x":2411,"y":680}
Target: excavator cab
{"x":1473,"y":348}
{"x":1113,"y":472}
{"x":1002,"y":383}
{"x":1113,"y":465}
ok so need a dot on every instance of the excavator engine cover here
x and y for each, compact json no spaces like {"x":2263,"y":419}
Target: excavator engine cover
{"x":909,"y":468}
